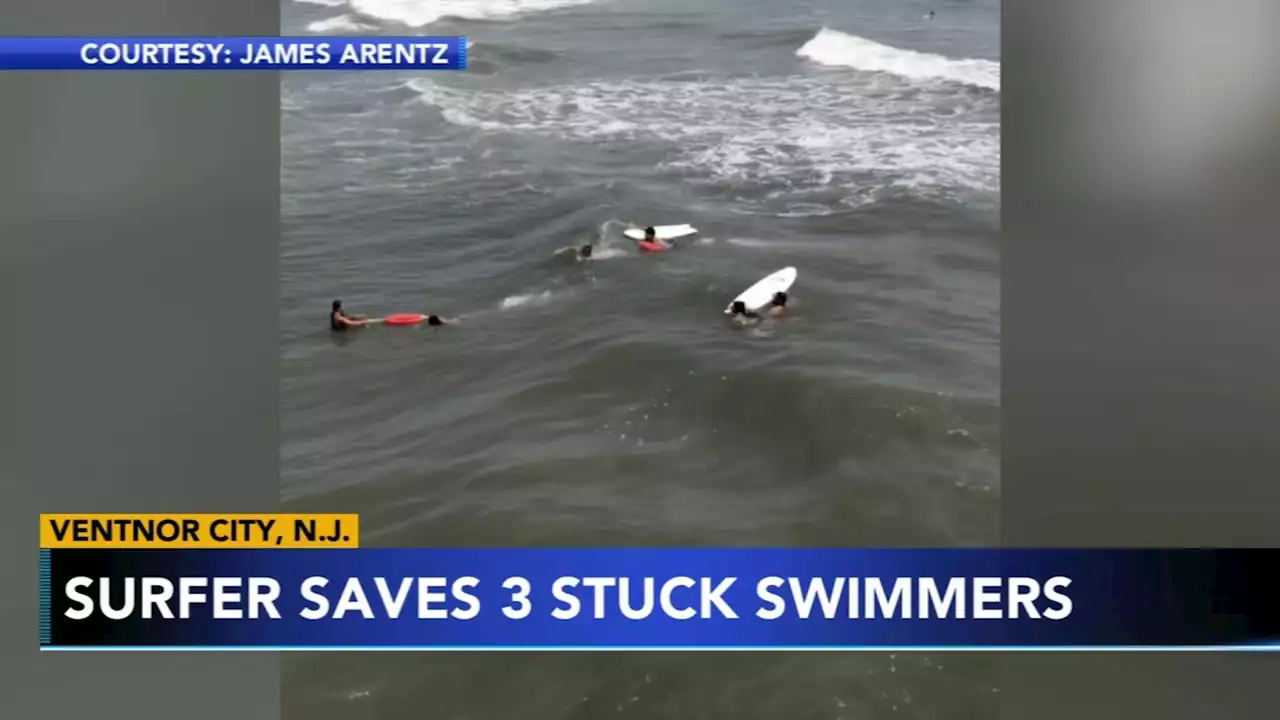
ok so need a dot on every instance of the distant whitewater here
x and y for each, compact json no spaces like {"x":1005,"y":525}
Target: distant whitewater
{"x":797,"y":135}
{"x":418,"y":13}
{"x":538,"y":298}
{"x":342,"y":24}
{"x":837,"y":49}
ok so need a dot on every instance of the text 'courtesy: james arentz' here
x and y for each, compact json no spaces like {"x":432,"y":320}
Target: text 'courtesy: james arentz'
{"x":370,"y":53}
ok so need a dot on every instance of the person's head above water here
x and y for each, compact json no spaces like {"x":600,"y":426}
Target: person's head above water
{"x":738,"y":308}
{"x":779,"y":299}
{"x":434,"y":321}
{"x":585,"y":251}
{"x":338,"y":319}
{"x":650,"y":234}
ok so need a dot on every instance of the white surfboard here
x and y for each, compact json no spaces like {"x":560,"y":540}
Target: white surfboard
{"x":664,"y":232}
{"x":761,"y":294}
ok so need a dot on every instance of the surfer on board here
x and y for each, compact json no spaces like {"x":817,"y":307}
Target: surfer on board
{"x":653,"y":243}
{"x":339,"y":320}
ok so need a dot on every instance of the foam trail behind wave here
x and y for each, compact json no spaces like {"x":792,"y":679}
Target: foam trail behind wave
{"x":605,"y":248}
{"x":752,"y":243}
{"x":798,"y":136}
{"x":417,"y":13}
{"x":340,"y":24}
{"x":834,"y":48}
{"x":516,"y":301}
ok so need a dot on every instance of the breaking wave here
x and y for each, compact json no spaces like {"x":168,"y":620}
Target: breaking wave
{"x":837,"y":49}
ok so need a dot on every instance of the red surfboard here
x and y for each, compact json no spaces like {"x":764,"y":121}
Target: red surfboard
{"x":404,"y":319}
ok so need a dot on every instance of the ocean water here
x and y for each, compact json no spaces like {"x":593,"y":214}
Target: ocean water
{"x":608,"y":402}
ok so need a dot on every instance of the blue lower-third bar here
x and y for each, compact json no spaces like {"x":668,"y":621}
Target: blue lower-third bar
{"x":233,"y":53}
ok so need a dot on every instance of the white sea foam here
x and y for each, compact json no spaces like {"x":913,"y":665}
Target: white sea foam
{"x":834,"y":48}
{"x":516,"y":301}
{"x":798,"y":134}
{"x":417,"y":13}
{"x":339,"y":24}
{"x":604,"y":245}
{"x":606,"y":252}
{"x":324,"y":3}
{"x":752,"y":243}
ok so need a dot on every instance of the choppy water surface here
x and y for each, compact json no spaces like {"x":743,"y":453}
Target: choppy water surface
{"x":607,"y":403}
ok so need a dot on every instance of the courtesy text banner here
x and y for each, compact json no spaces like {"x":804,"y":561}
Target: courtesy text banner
{"x":233,"y":53}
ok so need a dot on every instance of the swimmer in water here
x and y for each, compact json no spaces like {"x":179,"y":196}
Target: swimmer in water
{"x":339,"y":320}
{"x":580,"y":252}
{"x":777,"y":306}
{"x":739,"y":313}
{"x":437,"y":321}
{"x":929,"y":15}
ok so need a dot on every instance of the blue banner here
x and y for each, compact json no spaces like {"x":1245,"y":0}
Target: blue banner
{"x":233,"y":53}
{"x":660,"y":599}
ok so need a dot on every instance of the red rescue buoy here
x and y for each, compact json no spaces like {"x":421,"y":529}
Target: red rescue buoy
{"x":404,"y":319}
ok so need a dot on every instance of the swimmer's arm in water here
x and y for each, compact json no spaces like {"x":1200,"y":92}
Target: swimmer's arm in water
{"x":581,"y":252}
{"x":349,"y":321}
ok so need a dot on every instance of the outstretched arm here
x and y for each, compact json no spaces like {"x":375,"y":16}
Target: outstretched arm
{"x":361,"y":321}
